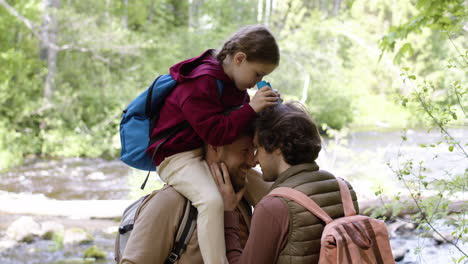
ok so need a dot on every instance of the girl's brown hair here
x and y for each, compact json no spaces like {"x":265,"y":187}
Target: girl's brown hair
{"x":256,"y":41}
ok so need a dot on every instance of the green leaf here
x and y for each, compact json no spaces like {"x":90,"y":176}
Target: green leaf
{"x":406,"y":49}
{"x":412,"y":77}
{"x":454,"y":115}
{"x":450,"y":148}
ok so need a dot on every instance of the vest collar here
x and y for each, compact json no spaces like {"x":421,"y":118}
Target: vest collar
{"x":293,"y":170}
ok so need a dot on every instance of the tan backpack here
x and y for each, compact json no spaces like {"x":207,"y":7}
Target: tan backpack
{"x":349,"y":239}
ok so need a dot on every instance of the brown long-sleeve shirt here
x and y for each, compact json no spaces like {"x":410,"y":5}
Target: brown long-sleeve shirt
{"x":268,"y":233}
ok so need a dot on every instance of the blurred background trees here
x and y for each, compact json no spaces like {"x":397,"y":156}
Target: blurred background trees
{"x":70,"y":67}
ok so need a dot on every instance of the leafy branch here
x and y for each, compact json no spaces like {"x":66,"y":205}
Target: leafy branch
{"x":421,"y":96}
{"x":426,"y":217}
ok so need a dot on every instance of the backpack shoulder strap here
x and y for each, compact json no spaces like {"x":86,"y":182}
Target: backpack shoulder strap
{"x":184,"y":232}
{"x":149,"y":97}
{"x":346,"y":198}
{"x":303,"y":200}
{"x":220,"y":85}
{"x":128,"y":217}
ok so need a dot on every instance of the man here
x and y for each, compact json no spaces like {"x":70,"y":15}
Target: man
{"x":282,"y":231}
{"x":155,"y":227}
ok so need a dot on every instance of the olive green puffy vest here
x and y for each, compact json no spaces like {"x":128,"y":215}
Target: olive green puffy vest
{"x":305,"y":230}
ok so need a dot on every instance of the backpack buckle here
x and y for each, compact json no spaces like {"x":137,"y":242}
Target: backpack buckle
{"x":173,"y":257}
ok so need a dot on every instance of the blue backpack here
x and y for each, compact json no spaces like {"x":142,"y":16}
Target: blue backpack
{"x":138,"y":121}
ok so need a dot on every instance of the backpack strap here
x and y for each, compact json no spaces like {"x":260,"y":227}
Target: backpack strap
{"x":346,"y":198}
{"x":149,"y":97}
{"x":184,"y":232}
{"x":303,"y":200}
{"x":220,"y":86}
{"x":128,"y":217}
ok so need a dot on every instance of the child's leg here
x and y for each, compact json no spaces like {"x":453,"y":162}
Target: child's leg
{"x":191,"y":177}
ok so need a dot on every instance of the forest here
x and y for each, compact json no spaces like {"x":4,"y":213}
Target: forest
{"x":69,"y":68}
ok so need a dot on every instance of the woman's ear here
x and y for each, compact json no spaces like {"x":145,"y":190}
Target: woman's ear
{"x":278,"y":152}
{"x":239,"y":57}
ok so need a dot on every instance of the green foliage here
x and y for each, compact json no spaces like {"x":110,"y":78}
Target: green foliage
{"x":330,"y":107}
{"x":94,"y":252}
{"x":447,"y":16}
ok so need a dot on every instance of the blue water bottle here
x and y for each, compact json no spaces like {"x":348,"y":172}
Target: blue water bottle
{"x":264,"y":83}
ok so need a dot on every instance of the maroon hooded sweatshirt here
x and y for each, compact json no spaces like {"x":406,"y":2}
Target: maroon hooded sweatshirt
{"x":196,"y":99}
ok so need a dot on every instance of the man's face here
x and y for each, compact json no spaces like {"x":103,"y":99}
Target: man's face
{"x":239,"y":159}
{"x":269,"y":162}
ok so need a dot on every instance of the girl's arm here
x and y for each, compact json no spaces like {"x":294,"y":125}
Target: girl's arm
{"x":204,"y":111}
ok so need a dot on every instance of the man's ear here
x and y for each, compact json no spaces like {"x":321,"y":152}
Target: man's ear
{"x":215,"y":150}
{"x":239,"y":57}
{"x":211,"y":148}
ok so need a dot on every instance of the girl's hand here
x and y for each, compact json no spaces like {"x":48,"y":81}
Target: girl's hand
{"x":264,"y":97}
{"x":223,"y":181}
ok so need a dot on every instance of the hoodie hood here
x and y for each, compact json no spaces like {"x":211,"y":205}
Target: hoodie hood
{"x":205,"y":64}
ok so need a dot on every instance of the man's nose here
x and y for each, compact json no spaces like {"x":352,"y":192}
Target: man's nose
{"x":251,"y":160}
{"x":255,"y":160}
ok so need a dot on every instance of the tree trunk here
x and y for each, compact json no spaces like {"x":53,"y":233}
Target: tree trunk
{"x":198,"y":12}
{"x":48,"y":50}
{"x":194,"y":13}
{"x":267,"y":11}
{"x":125,"y":15}
{"x":336,"y":7}
{"x":305,"y":88}
{"x":191,"y":14}
{"x":260,"y":11}
{"x":324,"y":7}
{"x":107,"y":9}
{"x":151,"y":12}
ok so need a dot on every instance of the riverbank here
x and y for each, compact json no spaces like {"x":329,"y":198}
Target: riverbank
{"x":409,"y":244}
{"x":67,"y":247}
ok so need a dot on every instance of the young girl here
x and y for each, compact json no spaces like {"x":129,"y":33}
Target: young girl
{"x":244,"y":59}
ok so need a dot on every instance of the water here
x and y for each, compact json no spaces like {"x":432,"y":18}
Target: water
{"x":69,"y":179}
{"x":360,"y":158}
{"x":363,"y":158}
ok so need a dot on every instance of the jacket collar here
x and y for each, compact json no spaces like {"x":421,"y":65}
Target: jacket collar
{"x":293,"y":170}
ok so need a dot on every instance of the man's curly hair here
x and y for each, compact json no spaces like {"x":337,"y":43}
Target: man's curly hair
{"x":289,"y":128}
